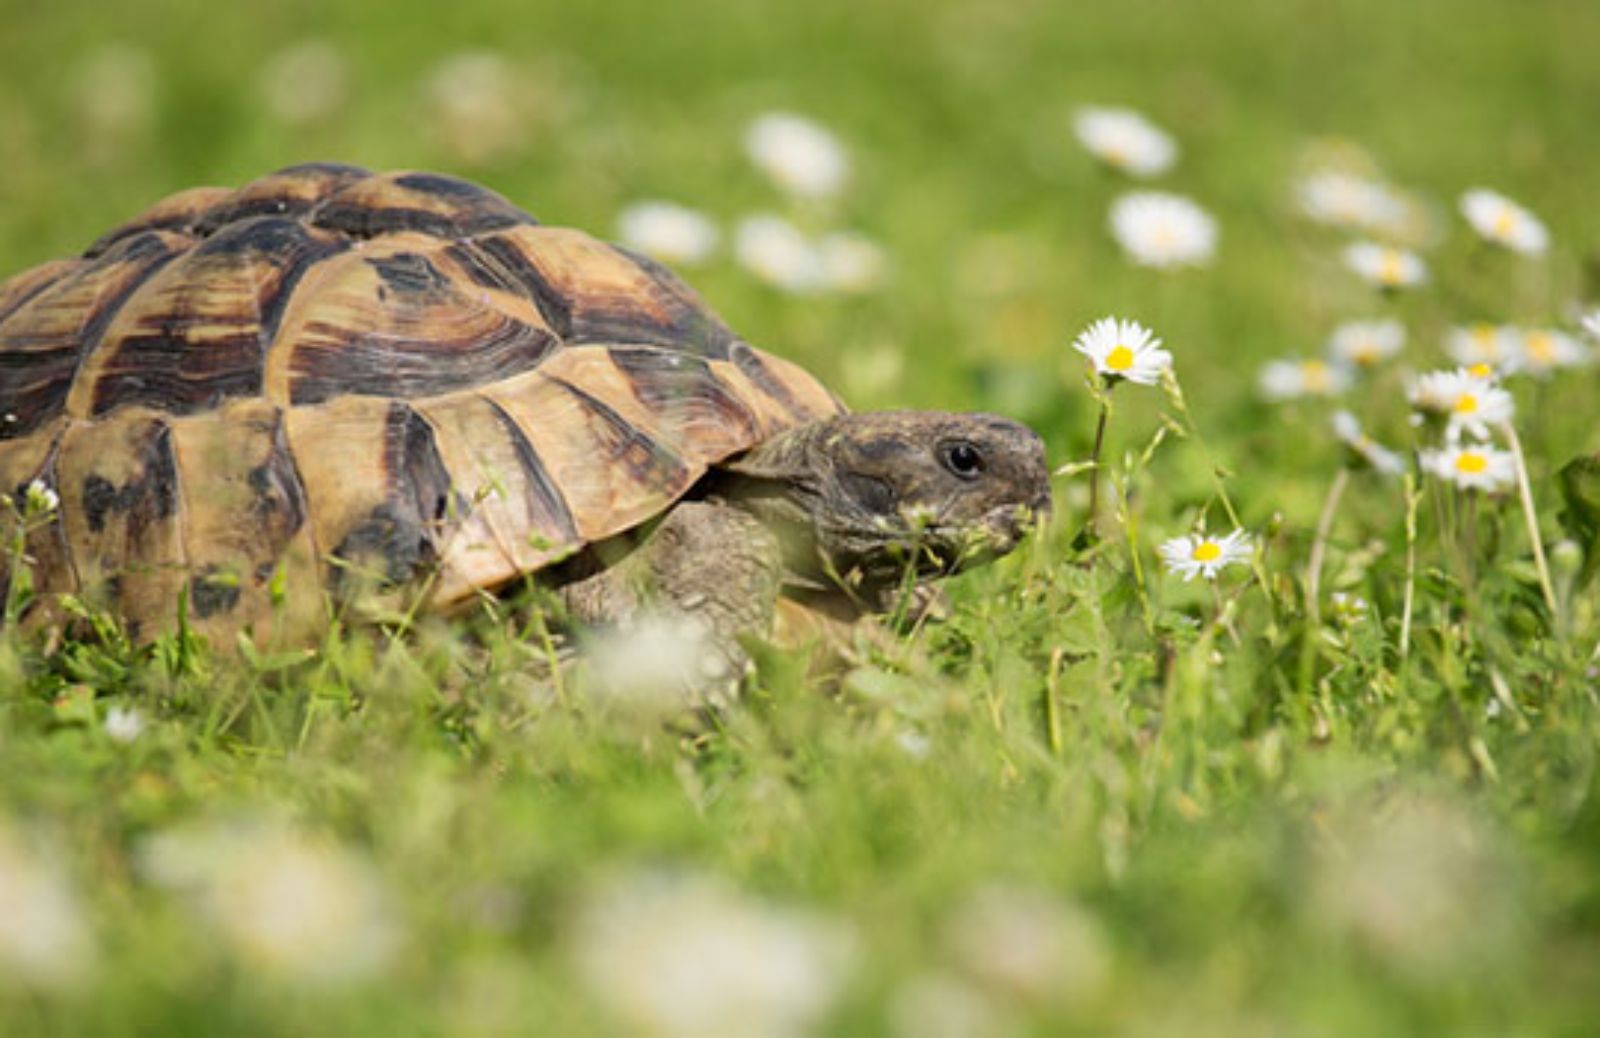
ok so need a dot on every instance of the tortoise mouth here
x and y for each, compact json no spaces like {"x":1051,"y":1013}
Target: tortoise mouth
{"x":943,"y":550}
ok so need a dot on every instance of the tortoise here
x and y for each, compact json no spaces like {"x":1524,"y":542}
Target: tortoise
{"x":249,"y":403}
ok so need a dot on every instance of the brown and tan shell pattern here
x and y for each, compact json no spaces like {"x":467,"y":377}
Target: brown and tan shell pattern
{"x":243,"y":398}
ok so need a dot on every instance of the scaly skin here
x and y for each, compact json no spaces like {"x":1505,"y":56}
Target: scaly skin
{"x":840,"y":508}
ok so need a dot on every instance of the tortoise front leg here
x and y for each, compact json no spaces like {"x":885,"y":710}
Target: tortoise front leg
{"x":704,"y":560}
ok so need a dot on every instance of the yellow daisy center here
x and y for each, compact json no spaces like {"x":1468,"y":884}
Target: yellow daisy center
{"x":1466,"y":403}
{"x":1487,"y":340}
{"x":1540,"y":346}
{"x":1390,"y":270}
{"x":1364,"y":353}
{"x":1315,"y":374}
{"x":1207,"y":551}
{"x":1505,"y":221}
{"x":1120,"y":358}
{"x":1470,"y":463}
{"x":1481,"y":370}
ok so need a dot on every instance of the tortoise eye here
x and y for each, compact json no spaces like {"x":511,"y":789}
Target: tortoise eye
{"x":962,"y":458}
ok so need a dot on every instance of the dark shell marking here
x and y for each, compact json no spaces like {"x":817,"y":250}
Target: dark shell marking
{"x":330,"y":371}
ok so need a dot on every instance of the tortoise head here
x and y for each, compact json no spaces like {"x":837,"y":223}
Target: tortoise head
{"x":882,"y":491}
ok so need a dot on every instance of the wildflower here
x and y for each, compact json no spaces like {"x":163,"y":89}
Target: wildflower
{"x":1498,"y":346}
{"x":1419,"y":882}
{"x":798,"y":154}
{"x":648,"y":669}
{"x":1385,"y":266}
{"x":1157,"y":229}
{"x":1380,"y":458}
{"x":1125,"y":140}
{"x":668,"y":232}
{"x":1350,"y":201}
{"x":116,"y":94}
{"x":1472,"y":466}
{"x":40,"y":499}
{"x":1503,"y":222}
{"x":1591,"y":324}
{"x":778,"y":253}
{"x":1290,"y":379}
{"x":1023,"y":942}
{"x":305,"y":83}
{"x":678,"y":955}
{"x":1545,"y":350}
{"x":474,"y":107}
{"x":44,"y":940}
{"x":937,"y":1004}
{"x":1348,"y":610}
{"x":1365,"y":343}
{"x":1204,"y":555}
{"x":300,"y":909}
{"x":1124,"y":350}
{"x":1469,"y":402}
{"x":123,"y":724}
{"x":851,"y":262}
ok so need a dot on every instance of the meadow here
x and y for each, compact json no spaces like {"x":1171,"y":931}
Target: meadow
{"x":1345,"y":785}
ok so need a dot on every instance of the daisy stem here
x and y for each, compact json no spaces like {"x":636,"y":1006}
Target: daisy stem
{"x":1319,"y":546}
{"x":1412,"y":500}
{"x":1526,"y":494}
{"x":1130,"y":529}
{"x":1222,"y":619}
{"x":1094,"y":468}
{"x":1169,"y":382}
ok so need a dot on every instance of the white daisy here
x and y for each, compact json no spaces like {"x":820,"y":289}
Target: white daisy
{"x":679,"y":955}
{"x":1469,"y":401}
{"x":667,"y":231}
{"x":1291,"y":379}
{"x":1350,"y":201}
{"x":779,"y":253}
{"x":1157,"y":229}
{"x":1380,"y":458}
{"x":1591,"y":324}
{"x":123,"y":724}
{"x":799,"y":155}
{"x":1503,"y":222}
{"x":1385,"y":266}
{"x":1546,"y":349}
{"x":1202,"y":554}
{"x":474,"y":106}
{"x":46,"y":940}
{"x":851,"y":262}
{"x":1365,"y":343}
{"x":1124,"y":350}
{"x":1497,"y":346}
{"x":305,"y":83}
{"x":1472,"y":466}
{"x":1125,"y":140}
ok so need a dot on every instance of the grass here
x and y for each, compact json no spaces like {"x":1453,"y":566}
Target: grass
{"x":1217,"y":815}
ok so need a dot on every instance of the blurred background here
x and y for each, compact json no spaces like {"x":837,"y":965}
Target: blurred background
{"x":986,"y":216}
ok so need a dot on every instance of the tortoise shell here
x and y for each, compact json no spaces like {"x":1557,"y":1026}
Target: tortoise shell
{"x":244,"y":398}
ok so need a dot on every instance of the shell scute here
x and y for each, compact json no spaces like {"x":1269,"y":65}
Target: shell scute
{"x":194,"y":335}
{"x":398,"y":319}
{"x":43,"y":343}
{"x":425,"y":203}
{"x":293,"y":192}
{"x":375,"y":384}
{"x":591,"y":292}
